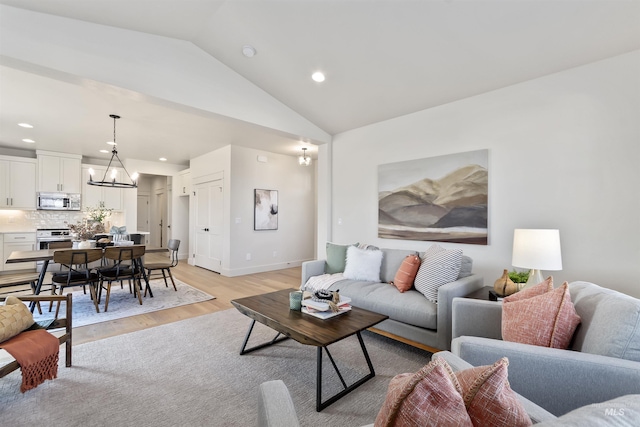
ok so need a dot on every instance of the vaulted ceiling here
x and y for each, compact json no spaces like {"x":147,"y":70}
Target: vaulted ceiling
{"x":382,"y":59}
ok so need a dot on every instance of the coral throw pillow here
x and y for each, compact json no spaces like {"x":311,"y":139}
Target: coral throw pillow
{"x":435,"y":396}
{"x":488,"y":396}
{"x":430,"y":397}
{"x":540,"y":316}
{"x":406,"y":273}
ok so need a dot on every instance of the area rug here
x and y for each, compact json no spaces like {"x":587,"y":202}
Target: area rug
{"x":123,"y":304}
{"x":190,"y":373}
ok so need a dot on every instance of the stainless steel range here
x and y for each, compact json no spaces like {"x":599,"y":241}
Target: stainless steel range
{"x":49,"y":238}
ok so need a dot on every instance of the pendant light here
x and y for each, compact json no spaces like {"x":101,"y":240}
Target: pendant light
{"x":304,"y":160}
{"x":114,"y":155}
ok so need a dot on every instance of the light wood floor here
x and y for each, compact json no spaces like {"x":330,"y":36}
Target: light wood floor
{"x":223,"y":288}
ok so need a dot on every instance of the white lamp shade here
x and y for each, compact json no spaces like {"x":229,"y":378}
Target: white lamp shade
{"x":536,"y":249}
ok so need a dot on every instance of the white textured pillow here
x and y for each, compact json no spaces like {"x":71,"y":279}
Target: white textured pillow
{"x":439,"y":266}
{"x":363,"y":264}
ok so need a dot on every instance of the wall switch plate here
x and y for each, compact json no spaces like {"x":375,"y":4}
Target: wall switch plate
{"x":248,"y":257}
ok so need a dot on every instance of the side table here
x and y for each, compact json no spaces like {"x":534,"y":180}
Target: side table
{"x":482,"y":293}
{"x":485,"y":293}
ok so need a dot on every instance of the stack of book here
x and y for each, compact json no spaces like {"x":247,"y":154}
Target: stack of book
{"x":321,"y":309}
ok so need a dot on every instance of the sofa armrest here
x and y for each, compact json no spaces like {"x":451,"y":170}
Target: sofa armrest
{"x":476,"y":318}
{"x":446,"y":294}
{"x":275,"y":407}
{"x":535,"y":412}
{"x":558,"y":380}
{"x":310,"y":269}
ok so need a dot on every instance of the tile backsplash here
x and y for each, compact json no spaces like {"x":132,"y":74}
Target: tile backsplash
{"x":15,"y":220}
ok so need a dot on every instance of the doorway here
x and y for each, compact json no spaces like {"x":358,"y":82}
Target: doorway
{"x":159,"y":225}
{"x":143,"y":213}
{"x":208,"y":225}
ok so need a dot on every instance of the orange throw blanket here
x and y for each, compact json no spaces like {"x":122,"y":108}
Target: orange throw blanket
{"x":37,"y":354}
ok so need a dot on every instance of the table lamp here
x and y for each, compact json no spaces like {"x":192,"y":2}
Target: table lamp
{"x":537,"y":250}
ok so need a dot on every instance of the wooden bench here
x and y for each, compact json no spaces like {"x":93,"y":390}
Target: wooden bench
{"x":64,"y":323}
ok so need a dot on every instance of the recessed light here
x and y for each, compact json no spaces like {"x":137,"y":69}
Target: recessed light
{"x":318,"y":76}
{"x":111,"y":143}
{"x":163,"y":159}
{"x":104,"y":151}
{"x":25,"y":125}
{"x":248,"y":51}
{"x":30,"y":141}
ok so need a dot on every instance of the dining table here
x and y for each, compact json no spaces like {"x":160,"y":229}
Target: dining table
{"x":46,"y":255}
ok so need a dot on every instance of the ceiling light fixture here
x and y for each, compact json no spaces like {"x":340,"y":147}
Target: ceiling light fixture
{"x":248,"y":51}
{"x":25,"y":125}
{"x":114,"y":154}
{"x":29,"y":141}
{"x":318,"y":76}
{"x":304,"y":160}
{"x":163,"y":159}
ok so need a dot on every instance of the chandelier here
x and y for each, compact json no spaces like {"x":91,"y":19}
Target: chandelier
{"x":114,"y":173}
{"x":304,"y":160}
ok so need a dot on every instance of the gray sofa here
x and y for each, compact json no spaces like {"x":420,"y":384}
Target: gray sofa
{"x":411,"y":316}
{"x":276,"y":408}
{"x":602,"y":363}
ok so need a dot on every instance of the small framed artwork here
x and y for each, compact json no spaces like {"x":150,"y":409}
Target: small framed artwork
{"x":265,"y":208}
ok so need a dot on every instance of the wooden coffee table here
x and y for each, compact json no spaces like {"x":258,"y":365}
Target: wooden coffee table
{"x":272,"y":309}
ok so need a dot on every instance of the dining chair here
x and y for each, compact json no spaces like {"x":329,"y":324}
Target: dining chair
{"x":75,"y":271}
{"x":126,"y":266}
{"x":173,"y":246}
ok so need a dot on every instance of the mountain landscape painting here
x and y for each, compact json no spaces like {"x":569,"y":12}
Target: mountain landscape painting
{"x":442,"y":198}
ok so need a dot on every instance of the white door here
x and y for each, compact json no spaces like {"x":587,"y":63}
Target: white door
{"x":159,"y":229}
{"x":208,"y":203}
{"x":143,"y":213}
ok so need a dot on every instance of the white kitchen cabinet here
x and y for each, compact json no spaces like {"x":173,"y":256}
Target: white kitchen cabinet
{"x":93,"y":196}
{"x":184,"y":183}
{"x":17,"y":242}
{"x":58,"y":172}
{"x":17,"y":183}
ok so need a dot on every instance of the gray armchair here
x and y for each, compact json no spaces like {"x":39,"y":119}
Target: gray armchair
{"x":603,"y":362}
{"x":276,"y":408}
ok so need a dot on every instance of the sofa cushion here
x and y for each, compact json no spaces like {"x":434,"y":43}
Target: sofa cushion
{"x":610,"y":322}
{"x":391,"y":262}
{"x":622,"y":411}
{"x":488,"y":397}
{"x":548,"y":319}
{"x":439,"y":266}
{"x":15,"y":317}
{"x":429,"y":397}
{"x":466,"y":266}
{"x":406,"y":274}
{"x":363,"y":264}
{"x":409,"y":307}
{"x":336,"y":258}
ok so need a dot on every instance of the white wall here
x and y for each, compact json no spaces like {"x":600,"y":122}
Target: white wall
{"x":563,"y":153}
{"x":294,"y":241}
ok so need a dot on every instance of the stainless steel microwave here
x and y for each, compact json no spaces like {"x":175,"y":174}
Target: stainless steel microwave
{"x":58,"y":201}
